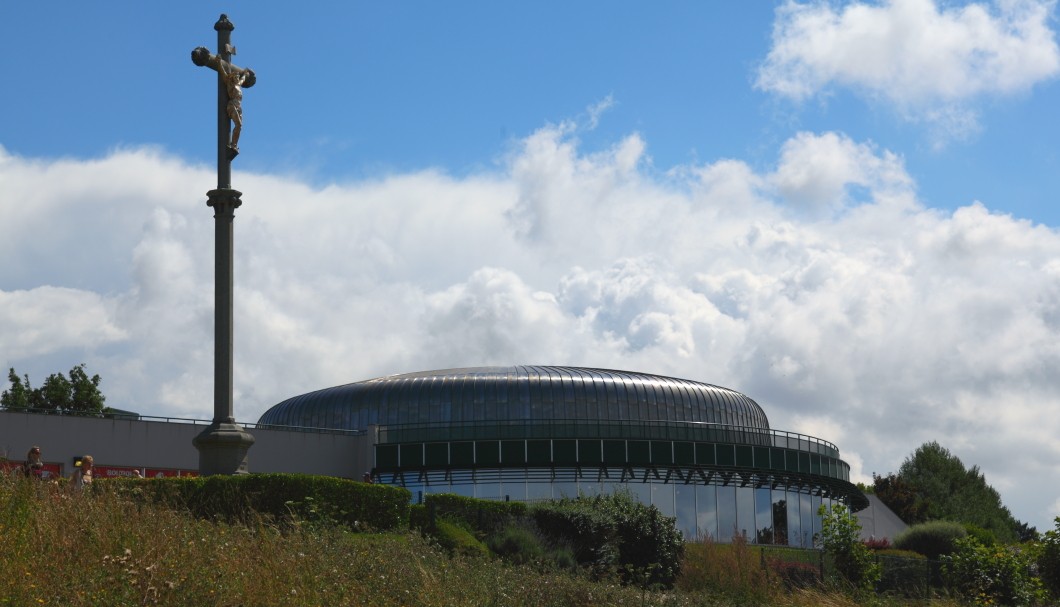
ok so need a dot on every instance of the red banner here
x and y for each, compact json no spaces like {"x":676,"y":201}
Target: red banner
{"x":166,"y":472}
{"x":116,"y":472}
{"x":48,"y":471}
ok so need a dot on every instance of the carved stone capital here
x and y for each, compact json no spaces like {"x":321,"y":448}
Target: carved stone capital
{"x":224,"y":200}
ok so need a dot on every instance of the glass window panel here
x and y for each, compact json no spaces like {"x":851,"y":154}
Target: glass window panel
{"x":538,"y":491}
{"x":707,"y":511}
{"x":780,"y":517}
{"x":640,"y":490}
{"x":465,"y":489}
{"x":685,"y":510}
{"x":815,"y":506}
{"x":763,"y":516}
{"x":488,"y":491}
{"x":745,"y":512}
{"x":561,"y":489}
{"x":806,"y":537}
{"x":794,"y":520}
{"x":726,"y":513}
{"x":662,"y":497}
{"x":589,"y":487}
{"x":513,"y":490}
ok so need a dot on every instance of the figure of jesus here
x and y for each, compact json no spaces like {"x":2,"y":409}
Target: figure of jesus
{"x":234,"y":78}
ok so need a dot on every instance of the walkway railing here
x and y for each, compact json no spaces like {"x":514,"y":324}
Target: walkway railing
{"x":604,"y":429}
{"x":129,"y":416}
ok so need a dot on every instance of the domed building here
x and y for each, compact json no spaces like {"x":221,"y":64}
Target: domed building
{"x":702,"y":453}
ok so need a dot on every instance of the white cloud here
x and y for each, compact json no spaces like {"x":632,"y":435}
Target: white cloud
{"x":821,"y":288}
{"x":932,"y":62}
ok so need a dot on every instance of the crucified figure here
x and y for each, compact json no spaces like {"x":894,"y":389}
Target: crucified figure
{"x":234,"y":78}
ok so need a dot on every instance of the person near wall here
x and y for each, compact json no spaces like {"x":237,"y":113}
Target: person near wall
{"x":82,"y":474}
{"x":34,"y":467}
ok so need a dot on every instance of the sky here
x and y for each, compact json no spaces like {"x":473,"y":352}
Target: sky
{"x":844,"y":210}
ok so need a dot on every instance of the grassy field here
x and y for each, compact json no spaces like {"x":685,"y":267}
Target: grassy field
{"x":98,"y":550}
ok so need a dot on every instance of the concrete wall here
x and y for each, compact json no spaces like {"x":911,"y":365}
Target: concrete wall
{"x":158,"y":444}
{"x":879,"y":522}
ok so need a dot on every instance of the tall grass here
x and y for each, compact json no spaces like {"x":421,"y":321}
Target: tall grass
{"x":102,"y":550}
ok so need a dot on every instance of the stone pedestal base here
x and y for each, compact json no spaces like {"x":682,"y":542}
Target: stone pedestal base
{"x":223,"y":449}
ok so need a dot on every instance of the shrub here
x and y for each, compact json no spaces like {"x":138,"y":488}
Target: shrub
{"x":877,"y":543}
{"x":991,"y":575}
{"x":906,"y":572}
{"x":932,"y":539}
{"x":521,"y":543}
{"x":482,"y":515}
{"x":839,"y":534}
{"x":458,"y":539}
{"x":616,"y":532}
{"x":518,"y":544}
{"x":284,"y":497}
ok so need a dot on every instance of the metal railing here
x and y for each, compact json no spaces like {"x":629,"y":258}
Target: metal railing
{"x":609,"y":429}
{"x":127,"y":416}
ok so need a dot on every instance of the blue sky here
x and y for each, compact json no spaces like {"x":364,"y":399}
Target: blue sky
{"x":843,"y":209}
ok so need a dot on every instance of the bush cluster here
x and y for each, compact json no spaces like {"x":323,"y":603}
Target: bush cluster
{"x":1049,"y":560}
{"x":604,"y":534}
{"x":932,"y":539}
{"x":616,"y":532}
{"x":840,"y":533}
{"x":284,"y":497}
{"x":991,"y":575}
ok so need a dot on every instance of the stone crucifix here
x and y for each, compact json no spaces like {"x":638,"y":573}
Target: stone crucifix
{"x":223,"y":445}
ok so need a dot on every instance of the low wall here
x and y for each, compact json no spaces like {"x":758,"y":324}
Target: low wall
{"x":160,"y":444}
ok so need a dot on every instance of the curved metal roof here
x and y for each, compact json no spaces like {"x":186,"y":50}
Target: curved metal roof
{"x":517,"y":393}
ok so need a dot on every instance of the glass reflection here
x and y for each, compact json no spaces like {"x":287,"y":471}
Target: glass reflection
{"x":707,"y":511}
{"x":685,"y":507}
{"x":763,"y":516}
{"x":662,"y":497}
{"x":726,"y":513}
{"x":745,"y":512}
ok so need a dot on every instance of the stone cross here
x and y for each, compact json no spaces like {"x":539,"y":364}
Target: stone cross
{"x":223,"y":445}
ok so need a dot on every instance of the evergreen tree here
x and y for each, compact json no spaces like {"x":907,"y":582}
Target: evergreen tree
{"x":933,"y":484}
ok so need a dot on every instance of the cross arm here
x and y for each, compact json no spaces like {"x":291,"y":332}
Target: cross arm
{"x":202,"y":57}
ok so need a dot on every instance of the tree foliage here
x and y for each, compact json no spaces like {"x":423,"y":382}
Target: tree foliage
{"x":933,"y":484}
{"x":75,"y":392}
{"x":1049,"y":560}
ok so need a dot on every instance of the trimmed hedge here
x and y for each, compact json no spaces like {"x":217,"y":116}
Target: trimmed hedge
{"x":616,"y":531}
{"x":284,"y":497}
{"x":481,"y":515}
{"x":932,"y":539}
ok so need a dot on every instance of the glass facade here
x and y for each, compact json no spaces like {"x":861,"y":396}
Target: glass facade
{"x":701,"y":511}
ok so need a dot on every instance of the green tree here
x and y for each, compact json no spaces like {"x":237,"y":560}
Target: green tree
{"x":76,"y":393}
{"x":85,"y":395}
{"x":933,"y":484}
{"x":17,"y":398}
{"x":900,"y":497}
